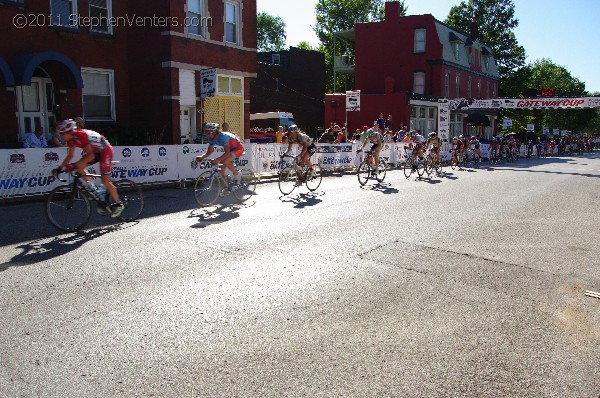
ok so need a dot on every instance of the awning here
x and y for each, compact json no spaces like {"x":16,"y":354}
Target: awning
{"x":349,"y":35}
{"x":24,"y":67}
{"x":6,"y":75}
{"x":476,"y":119}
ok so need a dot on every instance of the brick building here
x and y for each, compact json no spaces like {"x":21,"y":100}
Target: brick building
{"x":291,"y":81}
{"x":403,"y":65}
{"x":130,"y":68}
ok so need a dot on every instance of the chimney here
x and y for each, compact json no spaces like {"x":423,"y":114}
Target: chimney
{"x":392,"y":11}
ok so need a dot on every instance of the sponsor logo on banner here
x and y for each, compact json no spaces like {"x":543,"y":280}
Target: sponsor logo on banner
{"x":126,"y":152}
{"x":26,"y":182}
{"x":162,"y":151}
{"x":145,"y":152}
{"x":17,"y":158}
{"x":50,"y":157}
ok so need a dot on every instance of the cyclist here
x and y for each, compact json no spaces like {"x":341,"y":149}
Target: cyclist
{"x":457,"y":148}
{"x":96,"y":148}
{"x":294,"y":135}
{"x":232,"y":149}
{"x":417,"y":143}
{"x":474,"y":145}
{"x":374,"y":137}
{"x":494,"y":149}
{"x":434,"y":144}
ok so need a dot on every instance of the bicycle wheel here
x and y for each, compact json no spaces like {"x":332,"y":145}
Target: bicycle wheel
{"x":130,"y":194}
{"x":421,"y":165}
{"x":428,"y":165}
{"x":408,"y":169}
{"x":363,"y":172}
{"x":67,"y":210}
{"x":312,"y":183}
{"x":247,"y":186}
{"x":438,"y":168}
{"x":287,"y":180}
{"x":381,"y":170}
{"x":207,"y":188}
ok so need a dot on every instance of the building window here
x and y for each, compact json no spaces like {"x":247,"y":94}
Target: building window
{"x":98,"y":94}
{"x":63,"y":12}
{"x":494,"y":90}
{"x":487,"y":90}
{"x":456,"y":124}
{"x":229,"y":85}
{"x":456,"y":50}
{"x":447,"y":85}
{"x":458,"y":85}
{"x":478,"y":88}
{"x":486,"y":62}
{"x":196,"y":11}
{"x":100,"y":13}
{"x":469,"y":90}
{"x":423,"y":119}
{"x":420,"y":36}
{"x":419,"y":83}
{"x":232,"y":10}
{"x":276,"y":59}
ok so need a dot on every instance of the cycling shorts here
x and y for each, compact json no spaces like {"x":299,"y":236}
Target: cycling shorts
{"x":312,"y":148}
{"x":236,"y":148}
{"x":105,"y":158}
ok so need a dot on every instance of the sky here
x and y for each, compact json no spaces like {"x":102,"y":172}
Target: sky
{"x":566,"y":32}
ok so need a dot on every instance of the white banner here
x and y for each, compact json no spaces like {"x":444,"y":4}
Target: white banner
{"x":188,"y":168}
{"x":520,"y":103}
{"x":353,"y":101}
{"x":208,"y":82}
{"x":444,"y":119}
{"x":507,"y":123}
{"x":143,"y":164}
{"x":29,"y":170}
{"x":334,"y":156}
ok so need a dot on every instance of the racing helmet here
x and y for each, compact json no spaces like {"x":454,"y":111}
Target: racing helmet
{"x":212,"y":127}
{"x":66,"y":125}
{"x":293,"y":128}
{"x":432,"y":134}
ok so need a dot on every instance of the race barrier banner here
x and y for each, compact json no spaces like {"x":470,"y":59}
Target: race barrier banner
{"x":29,"y":171}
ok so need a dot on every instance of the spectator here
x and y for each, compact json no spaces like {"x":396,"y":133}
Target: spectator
{"x":389,"y":124}
{"x":80,"y":122}
{"x":279,"y":135}
{"x":328,"y":137}
{"x":36,"y":139}
{"x":381,"y":123}
{"x":57,"y":141}
{"x":341,"y":136}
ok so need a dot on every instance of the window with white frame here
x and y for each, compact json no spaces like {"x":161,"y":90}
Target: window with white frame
{"x":419,"y":83}
{"x":100,"y":13}
{"x":229,"y":85}
{"x":423,"y":119}
{"x":98,"y":94}
{"x":420,"y":36}
{"x":447,"y":84}
{"x":458,"y":85}
{"x":456,"y":50}
{"x":232,"y":22}
{"x":63,"y":13}
{"x":196,"y":12}
{"x":469,"y":87}
{"x":456,"y":125}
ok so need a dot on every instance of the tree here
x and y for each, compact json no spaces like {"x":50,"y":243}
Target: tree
{"x":304,"y":45}
{"x":544,"y":73}
{"x":270,"y":32}
{"x":339,"y":15}
{"x":496,"y":22}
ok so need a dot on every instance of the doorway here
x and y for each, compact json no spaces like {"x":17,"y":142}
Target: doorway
{"x":35,"y":104}
{"x":187,"y":122}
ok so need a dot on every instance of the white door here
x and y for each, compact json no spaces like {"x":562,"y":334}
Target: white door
{"x":34,"y":106}
{"x":186,"y":120}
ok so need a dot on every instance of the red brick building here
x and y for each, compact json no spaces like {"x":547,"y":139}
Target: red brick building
{"x":403,"y":65}
{"x":130,"y":68}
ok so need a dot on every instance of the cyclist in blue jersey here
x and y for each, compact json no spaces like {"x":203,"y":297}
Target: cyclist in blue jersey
{"x":232,"y":149}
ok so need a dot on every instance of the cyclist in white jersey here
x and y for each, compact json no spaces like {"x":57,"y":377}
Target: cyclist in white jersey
{"x":372,"y":136}
{"x":295,"y":136}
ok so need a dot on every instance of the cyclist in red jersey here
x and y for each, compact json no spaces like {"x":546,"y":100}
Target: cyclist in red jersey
{"x":96,"y":148}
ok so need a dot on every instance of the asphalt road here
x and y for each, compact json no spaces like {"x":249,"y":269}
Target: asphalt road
{"x":468,"y":285}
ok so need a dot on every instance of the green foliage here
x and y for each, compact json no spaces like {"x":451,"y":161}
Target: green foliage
{"x":496,"y":22}
{"x":304,"y":45}
{"x":270,"y":32}
{"x":545,"y":74}
{"x":339,"y":15}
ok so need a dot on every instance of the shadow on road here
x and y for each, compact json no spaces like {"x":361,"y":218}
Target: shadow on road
{"x":383,"y":187}
{"x":46,"y":248}
{"x":303,"y":200}
{"x":217,"y":214}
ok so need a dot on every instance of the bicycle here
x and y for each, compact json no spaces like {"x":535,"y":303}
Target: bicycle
{"x":473,"y":159}
{"x":433,"y":165}
{"x":366,"y":169}
{"x":410,"y":166}
{"x":211,"y":185}
{"x":68,"y":206}
{"x":294,"y":175}
{"x":456,"y":160}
